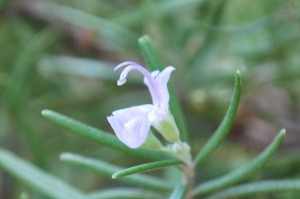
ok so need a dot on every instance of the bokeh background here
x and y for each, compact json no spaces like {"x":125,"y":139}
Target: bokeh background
{"x":60,"y":55}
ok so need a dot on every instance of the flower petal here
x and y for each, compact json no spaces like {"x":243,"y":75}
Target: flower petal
{"x":131,"y":125}
{"x":162,"y":80}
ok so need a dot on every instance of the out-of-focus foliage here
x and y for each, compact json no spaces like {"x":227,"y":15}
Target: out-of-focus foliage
{"x":60,"y":55}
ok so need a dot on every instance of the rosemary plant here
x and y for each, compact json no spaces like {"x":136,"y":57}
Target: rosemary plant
{"x":137,"y":129}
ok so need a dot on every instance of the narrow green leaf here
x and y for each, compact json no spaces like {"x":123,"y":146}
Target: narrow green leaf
{"x":270,"y":186}
{"x":145,"y":167}
{"x":22,"y":71}
{"x":179,"y":192}
{"x":173,"y":175}
{"x":101,"y":137}
{"x":107,"y":169}
{"x":243,"y":172}
{"x":124,"y":193}
{"x":77,"y":66}
{"x":154,"y":62}
{"x":150,"y":54}
{"x":134,"y":16}
{"x":225,"y":125}
{"x":36,"y":178}
{"x":105,"y":28}
{"x":210,"y":38}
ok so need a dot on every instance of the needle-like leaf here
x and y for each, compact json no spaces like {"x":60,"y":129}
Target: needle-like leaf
{"x":150,"y":54}
{"x":270,"y":186}
{"x":124,"y":193}
{"x":243,"y":172}
{"x":145,"y":167}
{"x":36,"y":178}
{"x":154,"y":62}
{"x":225,"y":125}
{"x":85,"y":67}
{"x":100,"y":137}
{"x":107,"y":169}
{"x":179,"y":192}
{"x":106,"y":28}
{"x":22,"y":71}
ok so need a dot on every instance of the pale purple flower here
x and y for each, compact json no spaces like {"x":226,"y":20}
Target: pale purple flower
{"x":132,"y":125}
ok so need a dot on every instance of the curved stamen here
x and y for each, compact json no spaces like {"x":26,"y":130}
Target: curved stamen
{"x":152,"y":85}
{"x":122,"y":79}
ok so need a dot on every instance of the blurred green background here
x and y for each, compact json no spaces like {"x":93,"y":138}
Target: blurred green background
{"x":60,"y":55}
